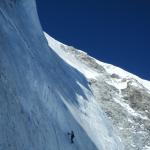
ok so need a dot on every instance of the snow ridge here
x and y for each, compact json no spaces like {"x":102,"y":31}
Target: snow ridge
{"x":124,"y":97}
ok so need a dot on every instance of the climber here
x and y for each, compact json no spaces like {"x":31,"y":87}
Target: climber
{"x":72,"y":136}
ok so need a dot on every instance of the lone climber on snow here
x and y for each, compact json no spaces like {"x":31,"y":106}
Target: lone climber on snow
{"x":72,"y":136}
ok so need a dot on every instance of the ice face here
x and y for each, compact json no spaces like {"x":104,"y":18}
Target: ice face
{"x":42,"y":97}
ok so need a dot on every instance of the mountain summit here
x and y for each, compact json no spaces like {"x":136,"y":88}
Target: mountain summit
{"x":42,"y":96}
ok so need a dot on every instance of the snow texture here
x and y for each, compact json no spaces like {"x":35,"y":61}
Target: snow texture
{"x":42,"y":97}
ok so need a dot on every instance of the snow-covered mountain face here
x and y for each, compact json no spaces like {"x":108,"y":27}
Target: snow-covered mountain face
{"x":124,"y":97}
{"x":42,"y":96}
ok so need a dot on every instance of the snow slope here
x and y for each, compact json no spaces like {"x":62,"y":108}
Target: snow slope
{"x":42,"y":97}
{"x":124,"y":97}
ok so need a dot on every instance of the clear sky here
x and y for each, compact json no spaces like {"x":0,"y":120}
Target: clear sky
{"x":113,"y":31}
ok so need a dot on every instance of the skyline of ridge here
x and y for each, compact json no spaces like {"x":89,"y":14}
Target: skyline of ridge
{"x":113,"y":32}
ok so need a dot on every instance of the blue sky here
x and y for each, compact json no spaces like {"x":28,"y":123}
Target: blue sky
{"x":113,"y":31}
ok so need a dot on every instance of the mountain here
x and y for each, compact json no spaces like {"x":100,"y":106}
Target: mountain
{"x":124,"y":97}
{"x":42,"y":96}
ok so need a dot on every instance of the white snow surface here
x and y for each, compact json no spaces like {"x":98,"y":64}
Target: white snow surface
{"x":124,"y":74}
{"x":42,"y":96}
{"x":146,"y":148}
{"x":59,"y":48}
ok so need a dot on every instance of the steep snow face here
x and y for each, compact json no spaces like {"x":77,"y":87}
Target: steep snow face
{"x":124,"y":97}
{"x":42,"y":97}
